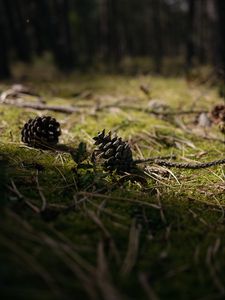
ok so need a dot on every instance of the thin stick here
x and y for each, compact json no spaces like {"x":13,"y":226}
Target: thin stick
{"x":71,"y":109}
{"x":132,"y":250}
{"x":21,"y":197}
{"x":150,"y":111}
{"x":44,"y":201}
{"x":39,"y":106}
{"x":96,"y":195}
{"x":144,"y":281}
{"x":169,"y":164}
{"x":152,"y":159}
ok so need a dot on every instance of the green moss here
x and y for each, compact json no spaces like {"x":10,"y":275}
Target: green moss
{"x":181,"y":241}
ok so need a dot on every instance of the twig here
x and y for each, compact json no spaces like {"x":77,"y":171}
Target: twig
{"x":150,"y":111}
{"x":213,"y":273}
{"x":108,"y":290}
{"x":44,"y":202}
{"x":122,"y":199}
{"x":185,"y":129}
{"x":147,"y":287}
{"x":85,"y":278}
{"x":152,"y":159}
{"x":198,"y":218}
{"x":39,"y":106}
{"x":162,"y":215}
{"x":132,"y":251}
{"x":145,"y":89}
{"x":206,"y":203}
{"x":107,"y":234}
{"x":21,"y":197}
{"x":171,"y":164}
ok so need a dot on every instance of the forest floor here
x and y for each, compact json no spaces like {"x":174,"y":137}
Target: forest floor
{"x":73,"y":231}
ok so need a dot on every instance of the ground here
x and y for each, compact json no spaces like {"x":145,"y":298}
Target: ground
{"x":159,"y":235}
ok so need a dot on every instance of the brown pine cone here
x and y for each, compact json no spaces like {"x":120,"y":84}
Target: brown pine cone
{"x":41,"y":132}
{"x":116,"y":153}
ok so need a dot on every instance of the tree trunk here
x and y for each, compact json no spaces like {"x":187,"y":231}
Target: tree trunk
{"x":157,"y":27}
{"x":202,"y":29}
{"x":62,"y":47}
{"x":4,"y":48}
{"x":190,"y":35}
{"x":103,"y":26}
{"x":220,"y":5}
{"x":19,"y":39}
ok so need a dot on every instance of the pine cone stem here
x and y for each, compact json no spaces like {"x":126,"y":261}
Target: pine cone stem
{"x":152,"y":159}
{"x":169,"y":164}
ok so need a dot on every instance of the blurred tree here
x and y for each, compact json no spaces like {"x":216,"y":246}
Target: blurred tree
{"x":62,"y":44}
{"x":103,"y":25}
{"x":4,"y":55}
{"x":83,"y":20}
{"x":114,"y":42}
{"x":202,"y":31}
{"x":190,"y":33}
{"x":220,"y":6}
{"x":38,"y":15}
{"x":17,"y":29}
{"x":78,"y":33}
{"x":157,"y":35}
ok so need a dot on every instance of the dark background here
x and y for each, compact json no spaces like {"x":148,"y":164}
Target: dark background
{"x":79,"y":34}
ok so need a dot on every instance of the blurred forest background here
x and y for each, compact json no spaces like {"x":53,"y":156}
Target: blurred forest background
{"x":79,"y":34}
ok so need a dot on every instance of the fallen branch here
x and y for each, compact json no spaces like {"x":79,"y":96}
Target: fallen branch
{"x":150,"y":111}
{"x":39,"y":106}
{"x":71,"y":109}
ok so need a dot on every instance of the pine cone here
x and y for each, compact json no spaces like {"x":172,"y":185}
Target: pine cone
{"x":218,"y":113}
{"x":41,"y":132}
{"x":116,"y":153}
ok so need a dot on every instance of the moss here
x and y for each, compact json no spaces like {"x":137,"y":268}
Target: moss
{"x":181,"y":242}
